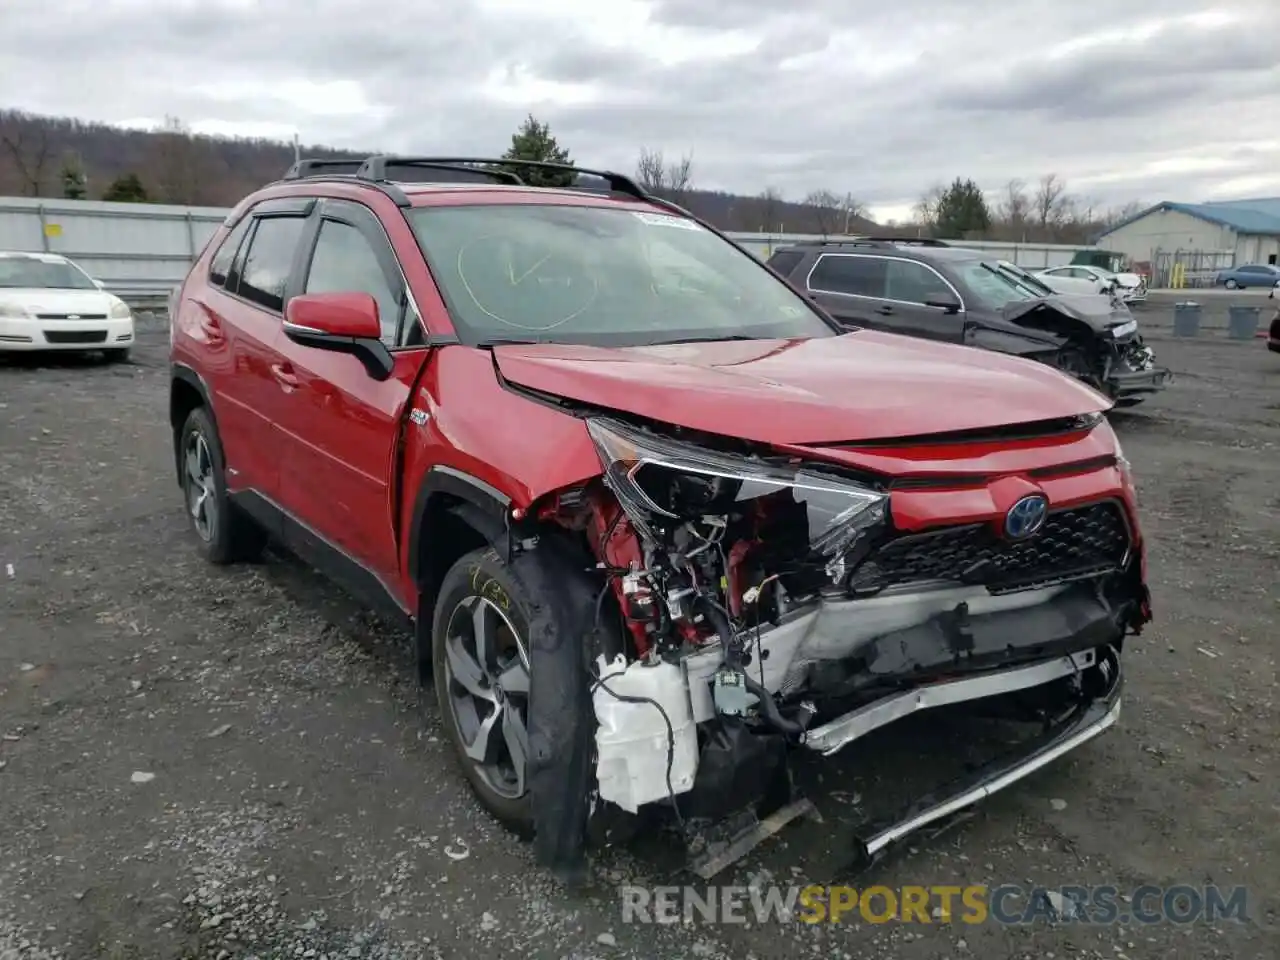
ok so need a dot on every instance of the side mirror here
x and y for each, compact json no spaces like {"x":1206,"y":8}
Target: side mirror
{"x":98,"y":283}
{"x":342,"y":323}
{"x":944,"y":303}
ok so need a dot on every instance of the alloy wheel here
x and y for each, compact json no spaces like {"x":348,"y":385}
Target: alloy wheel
{"x":487,"y":672}
{"x":202,"y":501}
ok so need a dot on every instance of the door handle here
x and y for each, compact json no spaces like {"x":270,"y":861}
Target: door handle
{"x":211,"y":328}
{"x":284,"y":375}
{"x":884,"y":310}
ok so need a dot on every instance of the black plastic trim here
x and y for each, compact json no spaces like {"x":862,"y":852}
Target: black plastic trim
{"x":372,"y":354}
{"x":185,"y":373}
{"x":447,"y":480}
{"x":305,"y":169}
{"x":327,"y":557}
{"x":375,"y":169}
{"x":285,"y":207}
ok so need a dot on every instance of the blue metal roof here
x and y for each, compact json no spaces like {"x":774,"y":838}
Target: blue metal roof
{"x":1260,"y":215}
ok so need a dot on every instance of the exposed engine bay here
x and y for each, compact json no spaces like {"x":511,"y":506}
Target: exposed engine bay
{"x":766,"y":603}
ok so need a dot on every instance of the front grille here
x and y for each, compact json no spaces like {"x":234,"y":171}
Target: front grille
{"x":75,"y":336}
{"x":71,"y":316}
{"x":1074,"y":543}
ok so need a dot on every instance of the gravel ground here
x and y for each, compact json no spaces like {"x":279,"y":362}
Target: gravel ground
{"x":229,"y":763}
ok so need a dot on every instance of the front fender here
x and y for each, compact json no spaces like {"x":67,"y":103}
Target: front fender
{"x":1026,"y":342}
{"x":473,"y":441}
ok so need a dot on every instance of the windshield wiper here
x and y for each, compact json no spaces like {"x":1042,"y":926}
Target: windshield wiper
{"x":510,"y":341}
{"x":730,"y":336}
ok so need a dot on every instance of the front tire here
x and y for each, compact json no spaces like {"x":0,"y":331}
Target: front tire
{"x":481,"y":660}
{"x":1232,"y":285}
{"x":117,"y":356}
{"x":224,"y":534}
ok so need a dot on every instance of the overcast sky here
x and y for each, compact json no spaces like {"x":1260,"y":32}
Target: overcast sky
{"x":1126,"y":100}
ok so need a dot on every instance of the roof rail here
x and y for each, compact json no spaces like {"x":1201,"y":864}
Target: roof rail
{"x":317,"y":171}
{"x":378,"y":168}
{"x":846,"y":242}
{"x":313,"y":168}
{"x":375,"y":168}
{"x":912,"y":241}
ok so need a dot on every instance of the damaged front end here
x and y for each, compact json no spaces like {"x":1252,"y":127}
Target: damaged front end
{"x":1105,"y":351}
{"x":770,"y":604}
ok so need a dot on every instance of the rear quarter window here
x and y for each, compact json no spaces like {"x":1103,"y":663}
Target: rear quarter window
{"x":226,"y":253}
{"x":786,"y":261}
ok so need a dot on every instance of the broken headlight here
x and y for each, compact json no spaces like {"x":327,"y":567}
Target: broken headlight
{"x":662,"y":483}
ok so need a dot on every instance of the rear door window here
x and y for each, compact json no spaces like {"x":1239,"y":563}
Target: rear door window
{"x":269,"y":261}
{"x":849,"y":274}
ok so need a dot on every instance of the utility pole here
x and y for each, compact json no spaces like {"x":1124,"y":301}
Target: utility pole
{"x":297,"y":148}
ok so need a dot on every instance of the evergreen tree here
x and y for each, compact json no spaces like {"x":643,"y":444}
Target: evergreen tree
{"x":961,"y":209}
{"x":533,"y":141}
{"x":73,"y":179}
{"x":126,"y":189}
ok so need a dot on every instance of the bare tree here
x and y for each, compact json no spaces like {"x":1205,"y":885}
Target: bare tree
{"x":926,"y":208}
{"x":1013,"y":209}
{"x":1119,"y":214}
{"x":1051,"y":201}
{"x":671,"y":180}
{"x":175,"y":162}
{"x":851,"y":208}
{"x":28,"y":145}
{"x":770,"y":209}
{"x":826,"y":209}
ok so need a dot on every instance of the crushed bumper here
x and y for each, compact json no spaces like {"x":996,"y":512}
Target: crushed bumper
{"x":1138,"y":383}
{"x":1094,"y":714}
{"x":832,"y":736}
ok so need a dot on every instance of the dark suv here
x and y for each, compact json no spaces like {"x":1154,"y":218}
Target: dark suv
{"x":930,"y":289}
{"x":654,"y":521}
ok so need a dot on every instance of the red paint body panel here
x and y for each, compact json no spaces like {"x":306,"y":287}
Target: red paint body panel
{"x":861,"y":386}
{"x":232,"y":345}
{"x":523,"y":449}
{"x":339,"y":430}
{"x":313,"y":431}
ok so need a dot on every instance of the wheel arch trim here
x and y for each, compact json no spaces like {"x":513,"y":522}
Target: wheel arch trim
{"x":181,"y":372}
{"x":488,"y":509}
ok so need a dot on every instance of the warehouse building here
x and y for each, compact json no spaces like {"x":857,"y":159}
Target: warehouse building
{"x":1218,"y":234}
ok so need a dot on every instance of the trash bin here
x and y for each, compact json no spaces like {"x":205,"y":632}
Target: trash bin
{"x":1242,"y":322}
{"x":1186,"y":319}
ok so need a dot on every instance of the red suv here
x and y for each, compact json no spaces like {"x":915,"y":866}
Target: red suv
{"x":656,"y":522}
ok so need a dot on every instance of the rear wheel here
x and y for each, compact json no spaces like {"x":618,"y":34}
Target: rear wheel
{"x":224,"y":533}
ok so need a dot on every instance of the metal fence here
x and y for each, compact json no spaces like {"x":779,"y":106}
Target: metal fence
{"x":142,"y":250}
{"x":1178,"y":269}
{"x":139,"y":250}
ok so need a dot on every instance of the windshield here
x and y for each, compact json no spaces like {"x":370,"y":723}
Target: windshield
{"x":45,"y":274}
{"x":601,"y":276}
{"x":994,"y":286}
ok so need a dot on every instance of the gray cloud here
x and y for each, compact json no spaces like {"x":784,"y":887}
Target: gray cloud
{"x":880,"y":100}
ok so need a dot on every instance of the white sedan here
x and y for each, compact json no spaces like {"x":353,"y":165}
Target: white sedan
{"x":1077,"y":278}
{"x":49,"y":303}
